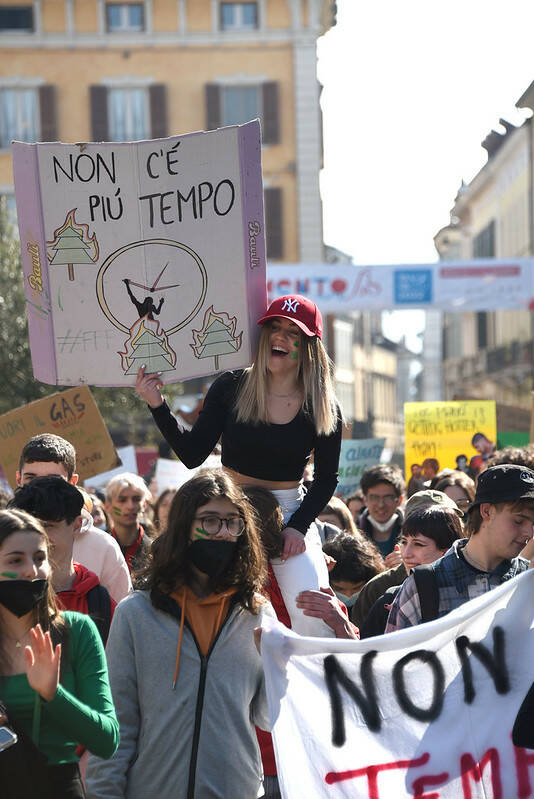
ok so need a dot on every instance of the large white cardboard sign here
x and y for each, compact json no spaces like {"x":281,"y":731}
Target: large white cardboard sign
{"x":424,"y":713}
{"x":150,"y":252}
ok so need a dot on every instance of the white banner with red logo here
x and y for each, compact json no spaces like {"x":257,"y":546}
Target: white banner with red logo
{"x":424,"y":713}
{"x":479,"y":285}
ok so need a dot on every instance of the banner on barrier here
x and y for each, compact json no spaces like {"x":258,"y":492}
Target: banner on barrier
{"x":484,"y":284}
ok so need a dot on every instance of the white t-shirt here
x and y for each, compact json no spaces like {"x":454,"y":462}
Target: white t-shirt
{"x":99,"y":552}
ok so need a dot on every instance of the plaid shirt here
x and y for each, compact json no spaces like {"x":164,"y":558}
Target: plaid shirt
{"x":458,"y":582}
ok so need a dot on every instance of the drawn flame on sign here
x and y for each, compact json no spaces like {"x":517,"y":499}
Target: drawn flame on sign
{"x":217,"y":336}
{"x":157,"y":354}
{"x":79,"y":227}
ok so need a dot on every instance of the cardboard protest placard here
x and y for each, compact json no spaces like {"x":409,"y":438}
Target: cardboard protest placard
{"x":129,"y":464}
{"x":356,"y":456}
{"x":173,"y":474}
{"x":145,"y":253}
{"x":71,"y":414}
{"x":445,"y":431}
{"x":423,"y":713}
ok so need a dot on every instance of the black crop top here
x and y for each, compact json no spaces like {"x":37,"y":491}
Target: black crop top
{"x":277,"y":452}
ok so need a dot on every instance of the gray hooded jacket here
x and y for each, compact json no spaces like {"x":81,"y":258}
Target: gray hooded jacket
{"x":198,"y":740}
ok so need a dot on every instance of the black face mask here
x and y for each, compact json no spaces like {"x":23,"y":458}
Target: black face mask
{"x":21,"y":596}
{"x":212,"y":557}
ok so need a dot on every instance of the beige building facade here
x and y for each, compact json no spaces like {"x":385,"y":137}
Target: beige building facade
{"x":92,"y":70}
{"x":369,"y":378}
{"x":490,"y":354}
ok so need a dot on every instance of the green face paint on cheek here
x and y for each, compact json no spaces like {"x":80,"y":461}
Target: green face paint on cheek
{"x":294,"y":356}
{"x":200,"y":533}
{"x":12,"y":575}
{"x":117,"y":511}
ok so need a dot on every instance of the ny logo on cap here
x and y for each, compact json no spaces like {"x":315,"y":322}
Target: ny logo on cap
{"x":290,"y":305}
{"x":526,"y":477}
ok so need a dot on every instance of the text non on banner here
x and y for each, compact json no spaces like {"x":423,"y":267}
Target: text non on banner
{"x":423,"y":713}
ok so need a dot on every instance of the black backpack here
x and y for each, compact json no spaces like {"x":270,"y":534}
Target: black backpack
{"x":427,"y":588}
{"x":99,"y":609}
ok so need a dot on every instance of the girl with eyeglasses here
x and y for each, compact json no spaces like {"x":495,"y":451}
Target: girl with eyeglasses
{"x":185,"y":674}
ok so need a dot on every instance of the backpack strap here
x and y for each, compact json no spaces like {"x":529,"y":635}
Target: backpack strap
{"x":427,"y":588}
{"x":99,"y":609}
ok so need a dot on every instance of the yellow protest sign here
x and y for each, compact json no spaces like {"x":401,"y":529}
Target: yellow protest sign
{"x":71,"y":414}
{"x":445,"y":431}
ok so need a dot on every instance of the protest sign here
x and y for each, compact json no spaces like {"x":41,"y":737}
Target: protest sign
{"x":483,"y":284}
{"x":129,"y":464}
{"x":423,"y":713}
{"x":71,"y":414}
{"x":145,"y":253}
{"x":444,"y":430}
{"x":356,"y":456}
{"x":172,"y":474}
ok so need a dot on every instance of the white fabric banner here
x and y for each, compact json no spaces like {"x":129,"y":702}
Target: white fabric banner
{"x":484,"y":284}
{"x":424,"y":713}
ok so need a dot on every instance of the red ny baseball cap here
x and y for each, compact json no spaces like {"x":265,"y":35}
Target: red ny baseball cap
{"x":299,"y":310}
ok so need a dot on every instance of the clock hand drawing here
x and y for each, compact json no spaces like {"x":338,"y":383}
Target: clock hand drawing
{"x":155,"y":286}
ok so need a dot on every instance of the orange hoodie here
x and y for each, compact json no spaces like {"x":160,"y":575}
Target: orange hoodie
{"x":204,"y":616}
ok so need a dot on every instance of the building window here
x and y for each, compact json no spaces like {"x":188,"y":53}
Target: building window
{"x":484,"y":242}
{"x":345,"y":395}
{"x":124,"y":17}
{"x":128,"y":114}
{"x":19,"y":115}
{"x":343,"y":344}
{"x":240,"y":104}
{"x":228,"y":104}
{"x":274,"y":230}
{"x":16,"y":18}
{"x":239,"y":16}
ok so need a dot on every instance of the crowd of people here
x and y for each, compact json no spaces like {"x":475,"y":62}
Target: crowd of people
{"x":130,"y":624}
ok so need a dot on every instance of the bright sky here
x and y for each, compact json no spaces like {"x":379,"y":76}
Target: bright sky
{"x":411,"y":88}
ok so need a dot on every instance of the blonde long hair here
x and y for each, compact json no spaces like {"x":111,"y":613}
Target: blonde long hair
{"x":314,"y":374}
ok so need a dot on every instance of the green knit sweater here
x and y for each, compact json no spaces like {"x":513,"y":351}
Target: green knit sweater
{"x":82,"y":710}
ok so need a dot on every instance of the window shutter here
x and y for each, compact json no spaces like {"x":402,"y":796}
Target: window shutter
{"x":273,"y":223}
{"x":213,"y":106}
{"x":99,"y":113}
{"x":271,"y":115}
{"x":47,"y":112}
{"x":158,"y":110}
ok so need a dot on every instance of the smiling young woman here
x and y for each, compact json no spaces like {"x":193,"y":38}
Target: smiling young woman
{"x":270,"y":417}
{"x":53,"y":672}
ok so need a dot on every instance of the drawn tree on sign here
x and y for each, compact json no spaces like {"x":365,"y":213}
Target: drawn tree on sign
{"x":149,"y":346}
{"x":217,"y":336}
{"x":70,"y":247}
